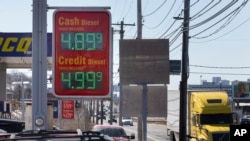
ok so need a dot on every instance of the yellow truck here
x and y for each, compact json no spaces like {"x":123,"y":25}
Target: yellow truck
{"x":209,"y":115}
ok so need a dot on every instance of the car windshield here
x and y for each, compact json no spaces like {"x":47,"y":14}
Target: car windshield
{"x":216,"y":119}
{"x":113,"y":132}
{"x":246,"y":116}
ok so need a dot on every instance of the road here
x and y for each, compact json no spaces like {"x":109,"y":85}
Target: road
{"x":155,"y":132}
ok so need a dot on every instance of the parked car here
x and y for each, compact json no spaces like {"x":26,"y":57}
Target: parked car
{"x":245,"y":119}
{"x":113,"y":119}
{"x":101,"y":115}
{"x":115,"y":131}
{"x":12,"y":126}
{"x":127,"y":121}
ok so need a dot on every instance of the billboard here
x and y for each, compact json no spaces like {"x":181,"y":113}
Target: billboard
{"x":241,"y":90}
{"x":144,"y":61}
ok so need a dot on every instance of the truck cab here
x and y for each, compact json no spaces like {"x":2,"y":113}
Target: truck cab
{"x":210,"y":116}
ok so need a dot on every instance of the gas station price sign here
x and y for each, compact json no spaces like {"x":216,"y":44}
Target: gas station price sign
{"x":82,"y":53}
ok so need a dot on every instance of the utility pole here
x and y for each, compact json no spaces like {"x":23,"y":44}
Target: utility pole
{"x":184,"y":75}
{"x":142,"y":119}
{"x":121,"y":38}
{"x":139,"y":20}
{"x":122,"y":24}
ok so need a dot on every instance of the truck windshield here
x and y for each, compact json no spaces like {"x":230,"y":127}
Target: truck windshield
{"x":216,"y":119}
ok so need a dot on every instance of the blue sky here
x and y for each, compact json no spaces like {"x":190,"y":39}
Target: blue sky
{"x":219,"y":45}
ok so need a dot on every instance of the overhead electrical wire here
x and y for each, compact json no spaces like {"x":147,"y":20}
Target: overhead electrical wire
{"x":216,"y":67}
{"x":226,"y":32}
{"x":200,"y":13}
{"x":162,"y":21}
{"x":173,"y":23}
{"x":115,"y":6}
{"x":151,"y":13}
{"x":175,"y":47}
{"x":171,"y":42}
{"x":123,"y":9}
{"x":233,"y":14}
{"x":220,"y":73}
{"x":166,"y":36}
{"x":130,"y":6}
{"x":213,"y":16}
{"x":191,"y":5}
{"x":175,"y":34}
{"x":145,"y":6}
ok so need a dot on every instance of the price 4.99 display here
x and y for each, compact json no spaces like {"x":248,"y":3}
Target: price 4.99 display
{"x":82,"y":80}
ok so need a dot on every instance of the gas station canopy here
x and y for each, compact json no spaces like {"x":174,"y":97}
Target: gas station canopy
{"x":16,"y":49}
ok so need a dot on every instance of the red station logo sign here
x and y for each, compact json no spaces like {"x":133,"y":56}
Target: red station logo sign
{"x":81,"y":53}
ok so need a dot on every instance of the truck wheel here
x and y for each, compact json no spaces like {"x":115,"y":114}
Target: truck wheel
{"x":172,"y":138}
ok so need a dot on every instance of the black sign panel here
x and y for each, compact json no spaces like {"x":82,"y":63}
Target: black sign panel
{"x":144,"y":61}
{"x":175,"y":67}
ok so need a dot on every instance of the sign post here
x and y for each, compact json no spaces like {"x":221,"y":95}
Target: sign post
{"x":82,"y":53}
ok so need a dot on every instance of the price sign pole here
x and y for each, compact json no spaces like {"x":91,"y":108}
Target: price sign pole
{"x":82,"y":53}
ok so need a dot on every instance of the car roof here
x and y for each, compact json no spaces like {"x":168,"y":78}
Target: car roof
{"x":246,"y":116}
{"x":106,"y":126}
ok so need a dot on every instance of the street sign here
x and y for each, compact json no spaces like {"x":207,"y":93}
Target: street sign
{"x":175,"y":67}
{"x":82,"y":53}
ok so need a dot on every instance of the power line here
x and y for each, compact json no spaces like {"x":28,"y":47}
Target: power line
{"x":158,"y":8}
{"x":214,"y":15}
{"x":130,"y":6}
{"x":200,"y":66}
{"x":200,"y":13}
{"x":164,"y":17}
{"x":219,"y":73}
{"x":232,"y":15}
{"x":225,"y":33}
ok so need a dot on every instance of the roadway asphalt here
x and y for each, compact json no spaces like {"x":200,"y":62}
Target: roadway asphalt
{"x":155,"y":132}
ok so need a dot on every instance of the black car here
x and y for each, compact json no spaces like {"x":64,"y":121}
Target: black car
{"x":12,"y":126}
{"x":245,"y":119}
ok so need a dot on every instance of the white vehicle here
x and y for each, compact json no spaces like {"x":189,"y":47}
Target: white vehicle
{"x":127,"y":121}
